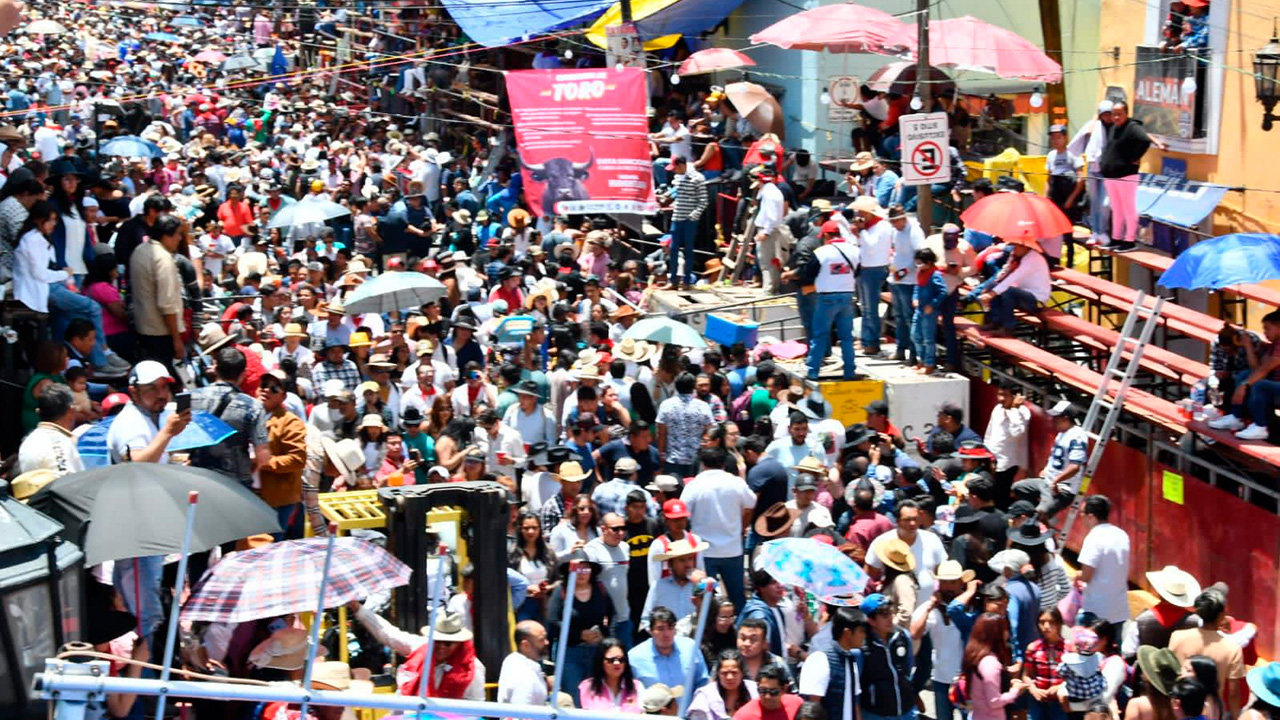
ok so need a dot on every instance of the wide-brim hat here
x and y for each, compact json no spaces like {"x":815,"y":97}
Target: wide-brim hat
{"x":580,"y":557}
{"x":549,"y":293}
{"x":29,"y":482}
{"x":624,"y":311}
{"x":1175,"y":585}
{"x":896,"y":553}
{"x":681,"y":548}
{"x":636,"y":351}
{"x":868,"y":204}
{"x":1030,"y":533}
{"x":294,"y":330}
{"x":862,"y":161}
{"x":776,"y":521}
{"x":811,"y":464}
{"x":450,"y":628}
{"x":953,"y":570}
{"x":526,"y":387}
{"x":346,"y":455}
{"x":572,"y":471}
{"x":337,"y":675}
{"x":1264,"y":682}
{"x":1159,"y":666}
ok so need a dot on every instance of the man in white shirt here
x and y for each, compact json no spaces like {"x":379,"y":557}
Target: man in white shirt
{"x":772,"y":208}
{"x":908,"y":237}
{"x":1024,"y":287}
{"x":1104,"y":564}
{"x":876,"y":248}
{"x":528,"y":417}
{"x":925,"y":546}
{"x":136,"y":434}
{"x":838,"y":695}
{"x":522,"y":680}
{"x":503,"y":447}
{"x":720,"y":506}
{"x":948,"y":647}
{"x":1006,"y":438}
{"x":676,"y":134}
{"x":809,"y":514}
{"x":50,"y":446}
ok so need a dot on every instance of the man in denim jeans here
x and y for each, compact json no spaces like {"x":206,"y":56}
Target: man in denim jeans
{"x":1258,"y":388}
{"x":907,"y":238}
{"x":875,"y":238}
{"x":831,"y":272}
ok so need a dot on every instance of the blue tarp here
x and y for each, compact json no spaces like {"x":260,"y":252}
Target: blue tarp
{"x":1176,"y":201}
{"x":500,"y":22}
{"x":686,"y":17}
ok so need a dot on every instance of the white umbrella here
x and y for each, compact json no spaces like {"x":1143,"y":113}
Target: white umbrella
{"x":240,"y":62}
{"x":45,"y":27}
{"x":667,"y":331}
{"x":307,"y":212}
{"x":394,"y":291}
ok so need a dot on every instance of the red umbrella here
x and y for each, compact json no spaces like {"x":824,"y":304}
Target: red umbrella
{"x":1020,"y":218}
{"x":842,"y":28}
{"x":712,"y":59}
{"x":967,"y":43}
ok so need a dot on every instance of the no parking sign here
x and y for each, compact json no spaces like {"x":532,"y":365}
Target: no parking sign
{"x":926,"y":157}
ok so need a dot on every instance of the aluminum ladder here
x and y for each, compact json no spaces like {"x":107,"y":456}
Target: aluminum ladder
{"x":1123,"y":371}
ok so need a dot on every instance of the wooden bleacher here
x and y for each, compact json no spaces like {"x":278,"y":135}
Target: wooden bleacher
{"x":1158,"y":263}
{"x":1155,"y":360}
{"x":1102,"y":293}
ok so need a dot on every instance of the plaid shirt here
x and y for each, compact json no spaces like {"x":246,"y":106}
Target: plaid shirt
{"x":552,"y":513}
{"x":1230,"y":359}
{"x":347,"y":372}
{"x":1080,"y":688}
{"x":1042,"y":663}
{"x":245,"y":414}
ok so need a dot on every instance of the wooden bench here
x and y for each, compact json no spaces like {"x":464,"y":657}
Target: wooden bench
{"x":1104,"y":292}
{"x":1158,"y":263}
{"x":1155,"y":359}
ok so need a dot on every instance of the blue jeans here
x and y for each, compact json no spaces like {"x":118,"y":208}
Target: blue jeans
{"x":577,"y":667}
{"x":660,"y":176}
{"x":1259,"y":401}
{"x":290,"y":517}
{"x":1046,"y":711}
{"x":1003,"y":305}
{"x":624,"y":631}
{"x":942,"y":707}
{"x":947,"y":314}
{"x":66,"y":306}
{"x":729,"y":569}
{"x":902,"y":314}
{"x":143,"y":584}
{"x":834,"y":312}
{"x":805,"y":305}
{"x":924,"y":336}
{"x":1098,"y":209}
{"x":870,"y":282}
{"x":683,"y":234}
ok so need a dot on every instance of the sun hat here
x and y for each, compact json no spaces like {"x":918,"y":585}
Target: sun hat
{"x":896,"y":553}
{"x":285,"y":649}
{"x":449,"y":628}
{"x":1160,"y":666}
{"x":294,"y":330}
{"x":862,"y":161}
{"x":1030,"y":533}
{"x":666,"y":484}
{"x":867,"y":204}
{"x":658,"y":696}
{"x":810,"y":466}
{"x":572,"y":472}
{"x":776,"y":521}
{"x":337,"y":675}
{"x":681,"y":548}
{"x":1177,"y":586}
{"x":633,"y":350}
{"x":953,"y":570}
{"x":1264,"y":681}
{"x":29,"y":482}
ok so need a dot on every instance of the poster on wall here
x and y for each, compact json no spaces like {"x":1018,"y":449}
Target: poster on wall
{"x":1164,"y":93}
{"x":582,"y":136}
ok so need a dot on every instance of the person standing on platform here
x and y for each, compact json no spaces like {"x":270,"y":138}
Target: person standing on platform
{"x":1127,"y":142}
{"x":1066,"y":189}
{"x":769,"y":226}
{"x":831,"y":272}
{"x":690,"y":191}
{"x":1088,"y":143}
{"x":908,"y":237}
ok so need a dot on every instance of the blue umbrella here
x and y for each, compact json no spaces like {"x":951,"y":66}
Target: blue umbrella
{"x":1237,"y":259}
{"x":393,"y":291}
{"x":131,"y":146}
{"x":188,"y":21}
{"x":163,"y":37}
{"x":667,"y":331}
{"x":514,"y":329}
{"x":93,"y":444}
{"x":818,"y":568}
{"x":204,"y":430}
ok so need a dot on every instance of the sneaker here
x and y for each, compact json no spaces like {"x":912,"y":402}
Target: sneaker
{"x":1253,"y":432}
{"x":115,"y":362}
{"x":1227,"y":422}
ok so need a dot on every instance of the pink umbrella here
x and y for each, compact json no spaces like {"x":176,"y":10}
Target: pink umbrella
{"x":712,"y":59}
{"x":843,"y":28}
{"x":967,"y":43}
{"x":212,"y":57}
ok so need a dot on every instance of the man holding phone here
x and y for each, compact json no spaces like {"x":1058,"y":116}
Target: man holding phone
{"x":959,"y":263}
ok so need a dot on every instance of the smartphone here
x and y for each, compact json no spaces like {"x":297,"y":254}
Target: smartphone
{"x":415,"y":455}
{"x":182,"y":401}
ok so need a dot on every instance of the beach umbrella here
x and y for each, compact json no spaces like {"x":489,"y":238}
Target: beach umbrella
{"x":900,"y":78}
{"x":758,"y":106}
{"x":712,"y":59}
{"x":240,"y":62}
{"x":307,"y":212}
{"x":285,"y":578}
{"x":818,"y":568}
{"x":967,"y":43}
{"x":665,"y":330}
{"x":130,"y":146}
{"x":204,"y":430}
{"x":188,"y":21}
{"x":1236,"y":259}
{"x":44,"y":27}
{"x":1019,"y":218}
{"x":838,"y":28}
{"x":212,"y":57}
{"x":392,"y":291}
{"x":139,"y":509}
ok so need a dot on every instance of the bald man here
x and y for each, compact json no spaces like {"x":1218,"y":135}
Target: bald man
{"x":522,"y":680}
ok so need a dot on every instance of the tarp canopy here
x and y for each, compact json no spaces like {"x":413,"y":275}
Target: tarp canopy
{"x":662,"y":22}
{"x":1177,"y":201}
{"x":500,"y":22}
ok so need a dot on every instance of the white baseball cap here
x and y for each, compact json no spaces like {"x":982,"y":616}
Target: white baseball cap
{"x":333,"y":388}
{"x":1106,"y":106}
{"x":149,"y":371}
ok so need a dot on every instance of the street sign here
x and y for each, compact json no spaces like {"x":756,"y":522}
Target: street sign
{"x":926,"y":154}
{"x":843,"y":92}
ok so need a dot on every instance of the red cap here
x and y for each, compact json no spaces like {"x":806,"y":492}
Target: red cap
{"x":675,"y":508}
{"x":113,"y":401}
{"x":824,"y":539}
{"x":830,"y":227}
{"x":395,"y":263}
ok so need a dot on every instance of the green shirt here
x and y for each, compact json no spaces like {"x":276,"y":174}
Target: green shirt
{"x":762,"y":403}
{"x":425,"y":445}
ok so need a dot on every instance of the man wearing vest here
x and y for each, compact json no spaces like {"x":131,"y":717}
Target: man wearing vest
{"x":831,"y":272}
{"x":834,"y":677}
{"x":802,"y":255}
{"x":886,"y":665}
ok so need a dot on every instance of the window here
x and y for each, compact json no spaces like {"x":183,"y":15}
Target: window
{"x":1178,"y":94}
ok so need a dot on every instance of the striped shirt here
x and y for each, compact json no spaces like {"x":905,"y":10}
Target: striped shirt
{"x":691,"y":195}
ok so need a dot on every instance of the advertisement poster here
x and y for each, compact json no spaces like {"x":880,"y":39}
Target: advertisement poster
{"x":1164,"y":93}
{"x":582,"y":136}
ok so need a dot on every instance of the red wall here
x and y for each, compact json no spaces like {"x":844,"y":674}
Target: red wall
{"x":1213,"y":535}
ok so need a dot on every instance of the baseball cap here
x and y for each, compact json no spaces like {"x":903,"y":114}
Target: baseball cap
{"x":830,"y":227}
{"x":806,"y":481}
{"x":664,"y":483}
{"x":950,"y":229}
{"x":626,"y":466}
{"x":1062,"y":408}
{"x":675,"y":508}
{"x":1057,"y":128}
{"x":333,"y":388}
{"x":1022,"y":508}
{"x":147,"y":372}
{"x":877,"y":407}
{"x":1106,"y":106}
{"x":874,"y":602}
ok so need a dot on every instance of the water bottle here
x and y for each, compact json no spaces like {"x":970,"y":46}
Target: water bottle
{"x":1215,"y":391}
{"x":1199,"y":393}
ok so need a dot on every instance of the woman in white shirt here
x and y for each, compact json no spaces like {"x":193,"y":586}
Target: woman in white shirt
{"x":576,"y":529}
{"x":33,"y":262}
{"x":535,"y":561}
{"x":72,"y":231}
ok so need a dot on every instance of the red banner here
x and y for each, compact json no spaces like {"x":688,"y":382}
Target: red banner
{"x":583,"y":140}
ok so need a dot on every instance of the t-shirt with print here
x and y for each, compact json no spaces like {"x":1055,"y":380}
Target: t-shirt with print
{"x":685,"y":418}
{"x":1070,"y":446}
{"x":640,"y":536}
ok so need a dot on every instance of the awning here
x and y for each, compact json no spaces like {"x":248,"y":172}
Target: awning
{"x":500,"y":22}
{"x":1177,"y":201}
{"x":662,"y":22}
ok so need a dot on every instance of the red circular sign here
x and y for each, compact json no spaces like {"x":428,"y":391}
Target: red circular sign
{"x":927,"y":158}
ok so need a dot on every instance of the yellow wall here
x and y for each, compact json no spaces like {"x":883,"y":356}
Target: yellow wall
{"x":1247,"y":155}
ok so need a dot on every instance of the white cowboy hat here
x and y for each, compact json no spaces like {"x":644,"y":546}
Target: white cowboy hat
{"x":680,"y":548}
{"x":636,"y":351}
{"x":1175,"y":585}
{"x":449,"y":628}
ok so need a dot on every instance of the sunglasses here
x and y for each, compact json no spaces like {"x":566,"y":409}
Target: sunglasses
{"x":616,"y":528}
{"x":616,"y":660}
{"x":773,"y":692}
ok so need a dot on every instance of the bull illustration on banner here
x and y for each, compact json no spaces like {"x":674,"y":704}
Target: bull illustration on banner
{"x":564,"y":180}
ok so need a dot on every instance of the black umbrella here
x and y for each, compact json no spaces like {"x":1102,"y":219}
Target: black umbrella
{"x":140,"y":509}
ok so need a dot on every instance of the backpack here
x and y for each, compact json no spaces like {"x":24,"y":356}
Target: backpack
{"x":740,"y":411}
{"x":958,"y":693}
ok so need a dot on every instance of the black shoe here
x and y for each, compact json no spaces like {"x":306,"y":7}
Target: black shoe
{"x":1123,"y":247}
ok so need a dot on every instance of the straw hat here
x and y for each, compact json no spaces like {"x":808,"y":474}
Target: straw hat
{"x":572,"y":472}
{"x":449,"y":628}
{"x":548,"y":292}
{"x":335,"y":675}
{"x":294,"y":330}
{"x":634,"y":350}
{"x":896,"y":554}
{"x":862,"y":161}
{"x":346,"y":455}
{"x":867,"y":204}
{"x":28,"y":483}
{"x":811,"y":464}
{"x":776,"y":521}
{"x":372,"y":420}
{"x":1175,"y":585}
{"x":359,"y":339}
{"x":681,"y":548}
{"x":286,"y":649}
{"x":952,"y":570}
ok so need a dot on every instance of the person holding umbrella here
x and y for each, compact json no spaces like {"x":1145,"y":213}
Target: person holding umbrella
{"x":1025,"y":286}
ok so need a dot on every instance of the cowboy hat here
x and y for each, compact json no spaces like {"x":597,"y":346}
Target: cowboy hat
{"x":680,"y":548}
{"x":714,"y":265}
{"x":212,"y":338}
{"x":359,"y":339}
{"x":896,"y":554}
{"x":636,"y":351}
{"x":336,"y":308}
{"x":26,"y":484}
{"x":862,"y":161}
{"x":294,"y":330}
{"x":811,"y":464}
{"x":285,"y":649}
{"x":776,"y":521}
{"x":1175,"y":585}
{"x":952,"y":570}
{"x":548,"y":292}
{"x":1264,"y":682}
{"x":658,"y":696}
{"x":336,"y":675}
{"x":867,"y":204}
{"x":518,"y":216}
{"x":526,"y":387}
{"x":586,"y":372}
{"x":346,"y":455}
{"x":1029,"y":533}
{"x":624,"y":311}
{"x":572,"y":472}
{"x":449,"y":628}
{"x":462,"y":216}
{"x":380,"y":361}
{"x":1160,"y":667}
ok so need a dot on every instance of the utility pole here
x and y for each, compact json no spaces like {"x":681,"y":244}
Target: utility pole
{"x":924,"y":195}
{"x":626,"y":11}
{"x":1051,"y":29}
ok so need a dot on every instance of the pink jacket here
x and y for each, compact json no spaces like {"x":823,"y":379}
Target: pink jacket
{"x":591,"y":701}
{"x":984,"y":691}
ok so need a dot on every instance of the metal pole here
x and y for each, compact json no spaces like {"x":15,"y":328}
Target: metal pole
{"x":626,"y":11}
{"x":436,"y":588}
{"x":708,"y":590}
{"x":564,"y":628}
{"x":171,"y":639}
{"x":924,"y":195}
{"x":319,"y":617}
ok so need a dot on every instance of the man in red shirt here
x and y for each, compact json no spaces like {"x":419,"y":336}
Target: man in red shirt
{"x":236,"y":214}
{"x":878,"y":420}
{"x":773,"y":703}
